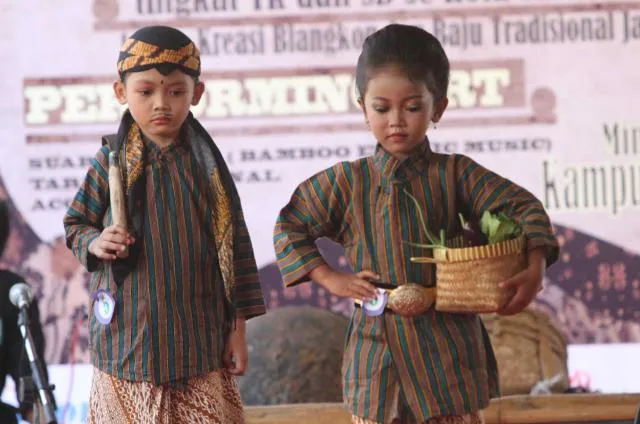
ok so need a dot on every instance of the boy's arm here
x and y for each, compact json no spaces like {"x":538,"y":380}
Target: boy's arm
{"x":480,"y":189}
{"x":316,"y":209}
{"x":249,"y":297}
{"x":83,"y":220}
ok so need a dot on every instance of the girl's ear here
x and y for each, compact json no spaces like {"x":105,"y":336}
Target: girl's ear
{"x":438,"y":110}
{"x":364,"y":110}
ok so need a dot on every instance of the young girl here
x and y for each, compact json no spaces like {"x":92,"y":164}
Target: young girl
{"x":437,"y":367}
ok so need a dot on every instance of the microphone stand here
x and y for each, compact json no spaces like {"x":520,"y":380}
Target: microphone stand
{"x":45,"y":397}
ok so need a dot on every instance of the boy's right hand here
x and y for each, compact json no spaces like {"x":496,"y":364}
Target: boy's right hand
{"x":111,"y":243}
{"x":346,"y":285}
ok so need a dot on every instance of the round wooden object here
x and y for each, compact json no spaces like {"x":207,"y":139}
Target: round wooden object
{"x":529,"y":349}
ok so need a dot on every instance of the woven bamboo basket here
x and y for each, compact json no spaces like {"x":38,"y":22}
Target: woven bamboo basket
{"x":467,"y":278}
{"x":529,"y":349}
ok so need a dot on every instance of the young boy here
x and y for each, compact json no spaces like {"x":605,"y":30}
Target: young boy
{"x":171,"y":292}
{"x":436,"y":367}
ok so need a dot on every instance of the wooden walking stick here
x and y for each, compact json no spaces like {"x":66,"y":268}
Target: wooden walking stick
{"x":116,"y":194}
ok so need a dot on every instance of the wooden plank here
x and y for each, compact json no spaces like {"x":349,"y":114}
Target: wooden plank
{"x":308,"y":413}
{"x":574,"y":408}
{"x":570,"y":408}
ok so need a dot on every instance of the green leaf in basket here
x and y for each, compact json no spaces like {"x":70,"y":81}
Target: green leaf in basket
{"x":422,"y":246}
{"x":489,"y":225}
{"x":503,"y":232}
{"x":432,"y":239}
{"x":498,"y":227}
{"x":463,"y":223}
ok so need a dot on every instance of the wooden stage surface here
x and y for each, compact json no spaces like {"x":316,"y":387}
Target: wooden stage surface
{"x":569,"y":408}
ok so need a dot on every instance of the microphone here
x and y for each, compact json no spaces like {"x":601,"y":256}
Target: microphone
{"x":20,"y":295}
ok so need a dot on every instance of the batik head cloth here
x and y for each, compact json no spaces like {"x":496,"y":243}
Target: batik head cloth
{"x":160,"y":47}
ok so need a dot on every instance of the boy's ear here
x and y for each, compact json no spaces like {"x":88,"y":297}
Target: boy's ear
{"x":438,"y":109}
{"x":120,"y":92}
{"x":198,"y":91}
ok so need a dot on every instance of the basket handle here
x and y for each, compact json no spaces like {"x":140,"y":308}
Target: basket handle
{"x":425,"y":260}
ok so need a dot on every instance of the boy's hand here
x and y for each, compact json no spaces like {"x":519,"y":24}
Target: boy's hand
{"x":346,"y":285}
{"x":525,"y":285}
{"x":235,"y":356}
{"x":111,"y":243}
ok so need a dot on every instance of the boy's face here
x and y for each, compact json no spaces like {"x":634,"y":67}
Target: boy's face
{"x":159,"y":103}
{"x":399,"y":111}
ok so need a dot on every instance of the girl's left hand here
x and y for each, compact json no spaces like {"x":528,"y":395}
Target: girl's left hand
{"x":235,"y":356}
{"x":524,"y":286}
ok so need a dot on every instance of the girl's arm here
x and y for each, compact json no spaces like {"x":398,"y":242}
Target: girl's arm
{"x":316,"y":209}
{"x":479,"y":190}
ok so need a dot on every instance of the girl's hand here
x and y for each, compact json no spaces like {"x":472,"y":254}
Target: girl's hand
{"x":346,"y":285}
{"x":524,"y":286}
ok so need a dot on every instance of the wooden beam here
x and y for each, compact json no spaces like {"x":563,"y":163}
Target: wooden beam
{"x":570,"y":408}
{"x":307,"y":413}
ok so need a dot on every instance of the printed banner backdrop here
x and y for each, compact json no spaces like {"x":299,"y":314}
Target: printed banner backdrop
{"x":542,"y":92}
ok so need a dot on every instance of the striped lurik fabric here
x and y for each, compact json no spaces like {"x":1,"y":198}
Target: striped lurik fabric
{"x":442,"y":363}
{"x":169,"y":318}
{"x":474,"y":418}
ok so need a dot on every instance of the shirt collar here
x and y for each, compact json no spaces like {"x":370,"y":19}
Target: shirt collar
{"x":155,"y":152}
{"x":392,"y":169}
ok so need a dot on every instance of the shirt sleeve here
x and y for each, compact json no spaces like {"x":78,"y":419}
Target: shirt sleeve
{"x":249,"y":296}
{"x":316,"y":209}
{"x":83,"y":220}
{"x":480,"y":189}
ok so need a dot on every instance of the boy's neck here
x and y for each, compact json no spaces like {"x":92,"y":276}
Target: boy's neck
{"x":161,"y":142}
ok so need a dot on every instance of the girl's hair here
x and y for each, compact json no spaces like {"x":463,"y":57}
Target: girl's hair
{"x":417,"y":52}
{"x":4,"y":224}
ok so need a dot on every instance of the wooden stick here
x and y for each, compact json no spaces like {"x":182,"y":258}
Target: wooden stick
{"x":116,"y":195}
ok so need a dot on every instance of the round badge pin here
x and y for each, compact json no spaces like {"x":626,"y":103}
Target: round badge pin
{"x":376,"y":306}
{"x":104,"y":306}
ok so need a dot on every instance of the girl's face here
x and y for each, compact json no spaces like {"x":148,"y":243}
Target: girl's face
{"x":398,"y":110}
